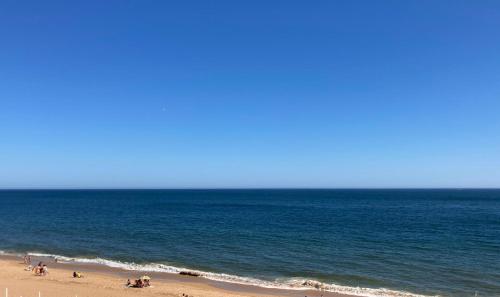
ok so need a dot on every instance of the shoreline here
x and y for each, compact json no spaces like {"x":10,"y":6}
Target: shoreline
{"x":232,"y":284}
{"x":106,"y":281}
{"x":223,"y":284}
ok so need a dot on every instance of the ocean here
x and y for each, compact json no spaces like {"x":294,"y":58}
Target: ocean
{"x":363,"y":242}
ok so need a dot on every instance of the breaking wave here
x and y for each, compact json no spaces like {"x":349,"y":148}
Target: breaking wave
{"x":288,"y":284}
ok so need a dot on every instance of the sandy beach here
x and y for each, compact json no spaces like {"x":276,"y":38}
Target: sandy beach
{"x":101,"y":281}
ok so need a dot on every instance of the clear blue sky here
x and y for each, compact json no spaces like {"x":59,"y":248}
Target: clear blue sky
{"x":97,"y":94}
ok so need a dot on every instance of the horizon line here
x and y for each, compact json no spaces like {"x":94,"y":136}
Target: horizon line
{"x":241,"y":188}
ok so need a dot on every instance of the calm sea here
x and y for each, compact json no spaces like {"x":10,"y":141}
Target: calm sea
{"x":429,"y":242}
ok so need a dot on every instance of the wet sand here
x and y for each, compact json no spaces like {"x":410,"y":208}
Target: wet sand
{"x":102,"y":281}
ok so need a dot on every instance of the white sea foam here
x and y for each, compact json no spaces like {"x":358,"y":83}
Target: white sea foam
{"x":288,"y":284}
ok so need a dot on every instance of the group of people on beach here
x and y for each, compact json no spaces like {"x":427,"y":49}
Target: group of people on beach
{"x":142,"y":282}
{"x":41,"y":269}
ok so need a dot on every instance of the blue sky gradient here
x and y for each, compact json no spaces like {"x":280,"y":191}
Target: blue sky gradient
{"x":176,"y":94}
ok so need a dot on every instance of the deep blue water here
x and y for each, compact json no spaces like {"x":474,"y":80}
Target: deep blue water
{"x":443,"y":242}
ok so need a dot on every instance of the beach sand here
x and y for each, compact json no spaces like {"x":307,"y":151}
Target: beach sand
{"x":102,"y":281}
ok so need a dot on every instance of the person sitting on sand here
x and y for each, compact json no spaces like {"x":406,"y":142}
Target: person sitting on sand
{"x":45,"y":270}
{"x":128,"y":283}
{"x":139,"y":283}
{"x":38,"y":269}
{"x":77,"y":274}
